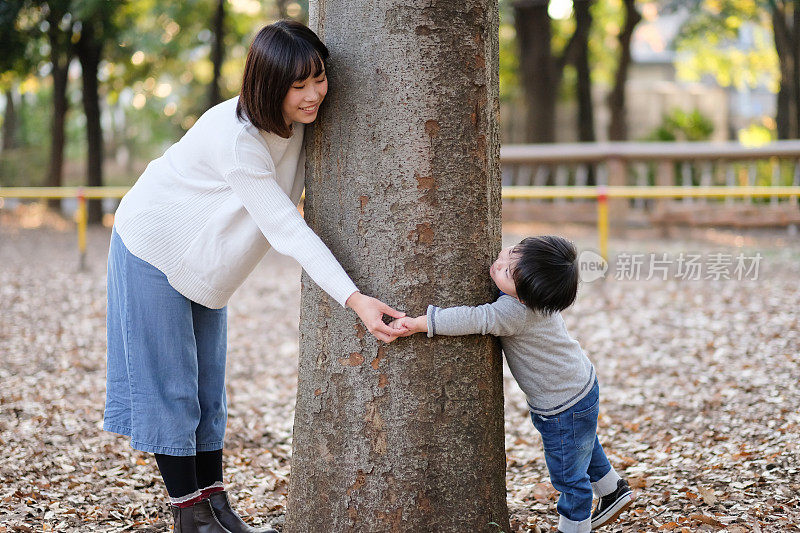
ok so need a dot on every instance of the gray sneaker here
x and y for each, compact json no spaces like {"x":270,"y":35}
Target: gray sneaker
{"x":610,"y":506}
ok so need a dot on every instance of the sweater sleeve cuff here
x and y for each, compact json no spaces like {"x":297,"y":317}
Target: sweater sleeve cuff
{"x":431,"y":317}
{"x":343,"y":293}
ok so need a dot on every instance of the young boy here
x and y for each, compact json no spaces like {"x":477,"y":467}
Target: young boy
{"x":538,"y":279}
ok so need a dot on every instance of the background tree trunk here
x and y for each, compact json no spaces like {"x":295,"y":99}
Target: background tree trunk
{"x":217,"y":52}
{"x":795,"y":51}
{"x":281,"y":5}
{"x":89,"y":50}
{"x":536,"y":69}
{"x":10,"y":122}
{"x":60,"y":56}
{"x":583,"y":23}
{"x":586,"y":131}
{"x":618,"y":126}
{"x":542,"y":71}
{"x":787,"y":107}
{"x":403,"y":184}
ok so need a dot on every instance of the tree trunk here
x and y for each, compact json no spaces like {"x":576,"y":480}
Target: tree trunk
{"x":281,"y":5}
{"x":60,"y":56}
{"x":403,"y":184}
{"x":586,"y":132}
{"x":89,"y":50}
{"x":537,"y":69}
{"x":795,"y":40}
{"x":784,"y":115}
{"x":217,"y":53}
{"x":583,"y":23}
{"x":618,"y":126}
{"x":540,"y":70}
{"x":10,"y":122}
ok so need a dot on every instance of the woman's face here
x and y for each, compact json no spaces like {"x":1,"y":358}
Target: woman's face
{"x":304,"y":98}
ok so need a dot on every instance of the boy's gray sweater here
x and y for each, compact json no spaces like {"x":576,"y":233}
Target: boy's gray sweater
{"x":548,"y":364}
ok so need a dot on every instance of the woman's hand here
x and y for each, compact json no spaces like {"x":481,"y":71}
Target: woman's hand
{"x":370,"y":311}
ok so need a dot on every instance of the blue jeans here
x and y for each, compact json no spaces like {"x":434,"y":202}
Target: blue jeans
{"x":165,"y":385}
{"x":574,"y":456}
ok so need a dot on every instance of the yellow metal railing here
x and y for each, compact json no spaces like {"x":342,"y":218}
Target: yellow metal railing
{"x":79,"y":193}
{"x":601,"y":193}
{"x":47,"y":193}
{"x":620,"y":191}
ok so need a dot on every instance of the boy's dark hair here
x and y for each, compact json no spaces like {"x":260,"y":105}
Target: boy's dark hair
{"x":281,"y":54}
{"x":546,"y":273}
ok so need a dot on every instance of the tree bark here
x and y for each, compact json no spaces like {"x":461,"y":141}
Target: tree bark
{"x":217,"y":53}
{"x":618,"y":126}
{"x":403,"y":184}
{"x":60,"y":56}
{"x":89,"y":50}
{"x":10,"y":122}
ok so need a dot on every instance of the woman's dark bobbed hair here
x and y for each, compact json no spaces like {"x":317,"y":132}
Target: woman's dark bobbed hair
{"x":280,"y":54}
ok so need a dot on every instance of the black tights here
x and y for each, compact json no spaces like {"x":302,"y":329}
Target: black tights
{"x":185,"y":475}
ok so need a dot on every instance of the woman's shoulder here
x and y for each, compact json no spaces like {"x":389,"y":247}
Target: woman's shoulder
{"x":218,"y":126}
{"x":224,"y":113}
{"x":254,"y":144}
{"x":238,"y":141}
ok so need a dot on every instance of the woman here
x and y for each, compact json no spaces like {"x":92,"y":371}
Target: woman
{"x":185,"y":237}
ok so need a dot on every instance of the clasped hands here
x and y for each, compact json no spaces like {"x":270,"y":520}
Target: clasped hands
{"x":371,"y":310}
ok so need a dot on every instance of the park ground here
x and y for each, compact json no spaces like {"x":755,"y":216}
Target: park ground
{"x":700,"y":383}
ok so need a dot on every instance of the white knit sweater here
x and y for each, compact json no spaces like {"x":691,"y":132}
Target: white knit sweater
{"x":207,"y":211}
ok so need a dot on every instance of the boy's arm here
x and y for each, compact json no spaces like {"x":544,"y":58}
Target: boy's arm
{"x":504,"y":317}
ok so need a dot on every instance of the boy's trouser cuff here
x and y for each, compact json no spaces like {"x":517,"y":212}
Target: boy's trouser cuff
{"x":606,"y":484}
{"x":566,"y":525}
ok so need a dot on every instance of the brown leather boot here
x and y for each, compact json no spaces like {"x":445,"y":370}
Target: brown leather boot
{"x":228,"y":517}
{"x":199,"y":518}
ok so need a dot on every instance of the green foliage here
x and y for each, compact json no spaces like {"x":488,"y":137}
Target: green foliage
{"x":607,"y":21}
{"x":28,"y":164}
{"x":19,"y":49}
{"x":758,"y":134}
{"x":12,"y":42}
{"x":35,"y":118}
{"x":608,"y":18}
{"x":680,"y":125}
{"x":730,"y":41}
{"x":23,"y":167}
{"x":154,"y":75}
{"x":509,"y":64}
{"x":509,"y":55}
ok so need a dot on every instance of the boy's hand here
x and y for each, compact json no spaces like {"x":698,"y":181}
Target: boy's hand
{"x":400,"y":326}
{"x":407,"y":326}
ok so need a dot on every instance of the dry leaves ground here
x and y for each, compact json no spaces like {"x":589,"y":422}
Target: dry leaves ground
{"x":700,"y":392}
